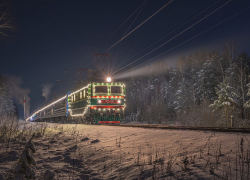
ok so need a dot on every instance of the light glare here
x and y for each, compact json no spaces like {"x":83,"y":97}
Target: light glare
{"x":108,"y":79}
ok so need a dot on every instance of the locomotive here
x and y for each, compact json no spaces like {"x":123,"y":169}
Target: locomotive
{"x":96,"y":101}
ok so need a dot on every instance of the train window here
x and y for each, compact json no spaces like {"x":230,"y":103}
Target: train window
{"x":74,"y":97}
{"x":80,"y":94}
{"x":84,"y":93}
{"x":101,"y":89}
{"x":116,"y":89}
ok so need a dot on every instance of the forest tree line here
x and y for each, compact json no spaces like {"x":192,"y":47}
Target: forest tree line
{"x":8,"y":107}
{"x":203,"y":89}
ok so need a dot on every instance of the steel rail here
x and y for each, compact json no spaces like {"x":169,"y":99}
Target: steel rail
{"x":217,"y":129}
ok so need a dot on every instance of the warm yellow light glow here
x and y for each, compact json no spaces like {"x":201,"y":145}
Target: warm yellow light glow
{"x":46,"y":107}
{"x":108,"y":79}
{"x":58,"y":101}
{"x":71,"y":95}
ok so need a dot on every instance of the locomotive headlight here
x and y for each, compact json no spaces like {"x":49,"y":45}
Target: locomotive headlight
{"x":99,"y":101}
{"x":119,"y":101}
{"x":108,"y":79}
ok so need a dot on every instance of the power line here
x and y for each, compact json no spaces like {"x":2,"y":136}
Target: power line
{"x":175,"y":36}
{"x":126,"y":20}
{"x":188,"y":39}
{"x":140,"y":25}
{"x":136,"y":17}
{"x":134,"y":21}
{"x":143,"y":42}
{"x":166,"y":35}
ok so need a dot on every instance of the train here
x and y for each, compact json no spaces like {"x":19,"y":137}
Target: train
{"x":97,"y":100}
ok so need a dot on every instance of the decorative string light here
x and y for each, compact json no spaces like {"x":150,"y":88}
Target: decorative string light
{"x":80,"y":90}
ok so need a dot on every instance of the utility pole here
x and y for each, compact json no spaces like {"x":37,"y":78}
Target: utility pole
{"x":24,"y":107}
{"x":98,"y":61}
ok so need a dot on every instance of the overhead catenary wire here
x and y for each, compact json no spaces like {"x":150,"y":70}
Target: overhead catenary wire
{"x":175,"y":36}
{"x":165,"y":35}
{"x":133,"y":21}
{"x":150,"y":30}
{"x":126,"y":20}
{"x":117,"y":66}
{"x":136,"y":17}
{"x":165,"y":17}
{"x":185,"y":41}
{"x":114,"y":66}
{"x":140,"y":24}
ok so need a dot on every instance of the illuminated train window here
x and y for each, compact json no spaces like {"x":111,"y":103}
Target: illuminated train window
{"x":116,"y":89}
{"x":101,"y":89}
{"x":80,"y":94}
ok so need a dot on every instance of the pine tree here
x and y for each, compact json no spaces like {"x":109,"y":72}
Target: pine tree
{"x":207,"y":80}
{"x":227,"y":98}
{"x":247,"y":104}
{"x":238,"y":74}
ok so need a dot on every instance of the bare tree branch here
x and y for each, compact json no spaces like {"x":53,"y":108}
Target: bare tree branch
{"x":5,"y":20}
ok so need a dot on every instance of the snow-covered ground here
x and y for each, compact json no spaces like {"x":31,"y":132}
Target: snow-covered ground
{"x":111,"y":152}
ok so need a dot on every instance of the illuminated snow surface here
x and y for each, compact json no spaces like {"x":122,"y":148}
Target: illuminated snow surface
{"x":109,"y":152}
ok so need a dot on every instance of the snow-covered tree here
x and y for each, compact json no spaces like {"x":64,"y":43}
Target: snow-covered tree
{"x":7,"y":106}
{"x":183,"y":95}
{"x":227,"y":98}
{"x":199,"y":80}
{"x":247,"y":104}
{"x":238,"y":74}
{"x":207,"y":80}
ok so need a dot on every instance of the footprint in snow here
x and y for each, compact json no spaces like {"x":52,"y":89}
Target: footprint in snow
{"x":85,"y":139}
{"x":95,"y":141}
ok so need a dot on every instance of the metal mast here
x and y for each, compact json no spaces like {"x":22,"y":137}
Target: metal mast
{"x":24,"y":100}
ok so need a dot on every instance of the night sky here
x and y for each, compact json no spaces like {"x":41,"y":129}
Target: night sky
{"x":52,"y":35}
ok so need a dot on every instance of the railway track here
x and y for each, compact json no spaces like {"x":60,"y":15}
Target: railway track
{"x":217,"y":129}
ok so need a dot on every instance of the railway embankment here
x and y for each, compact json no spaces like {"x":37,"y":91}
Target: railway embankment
{"x":70,"y":151}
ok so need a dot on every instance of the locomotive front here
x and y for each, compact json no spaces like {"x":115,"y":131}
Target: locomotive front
{"x":99,"y":102}
{"x":107,"y":101}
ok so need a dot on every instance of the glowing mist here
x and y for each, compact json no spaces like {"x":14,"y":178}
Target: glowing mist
{"x":158,"y":67}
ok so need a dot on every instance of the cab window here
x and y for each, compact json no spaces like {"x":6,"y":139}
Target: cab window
{"x":116,"y":89}
{"x":101,"y":89}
